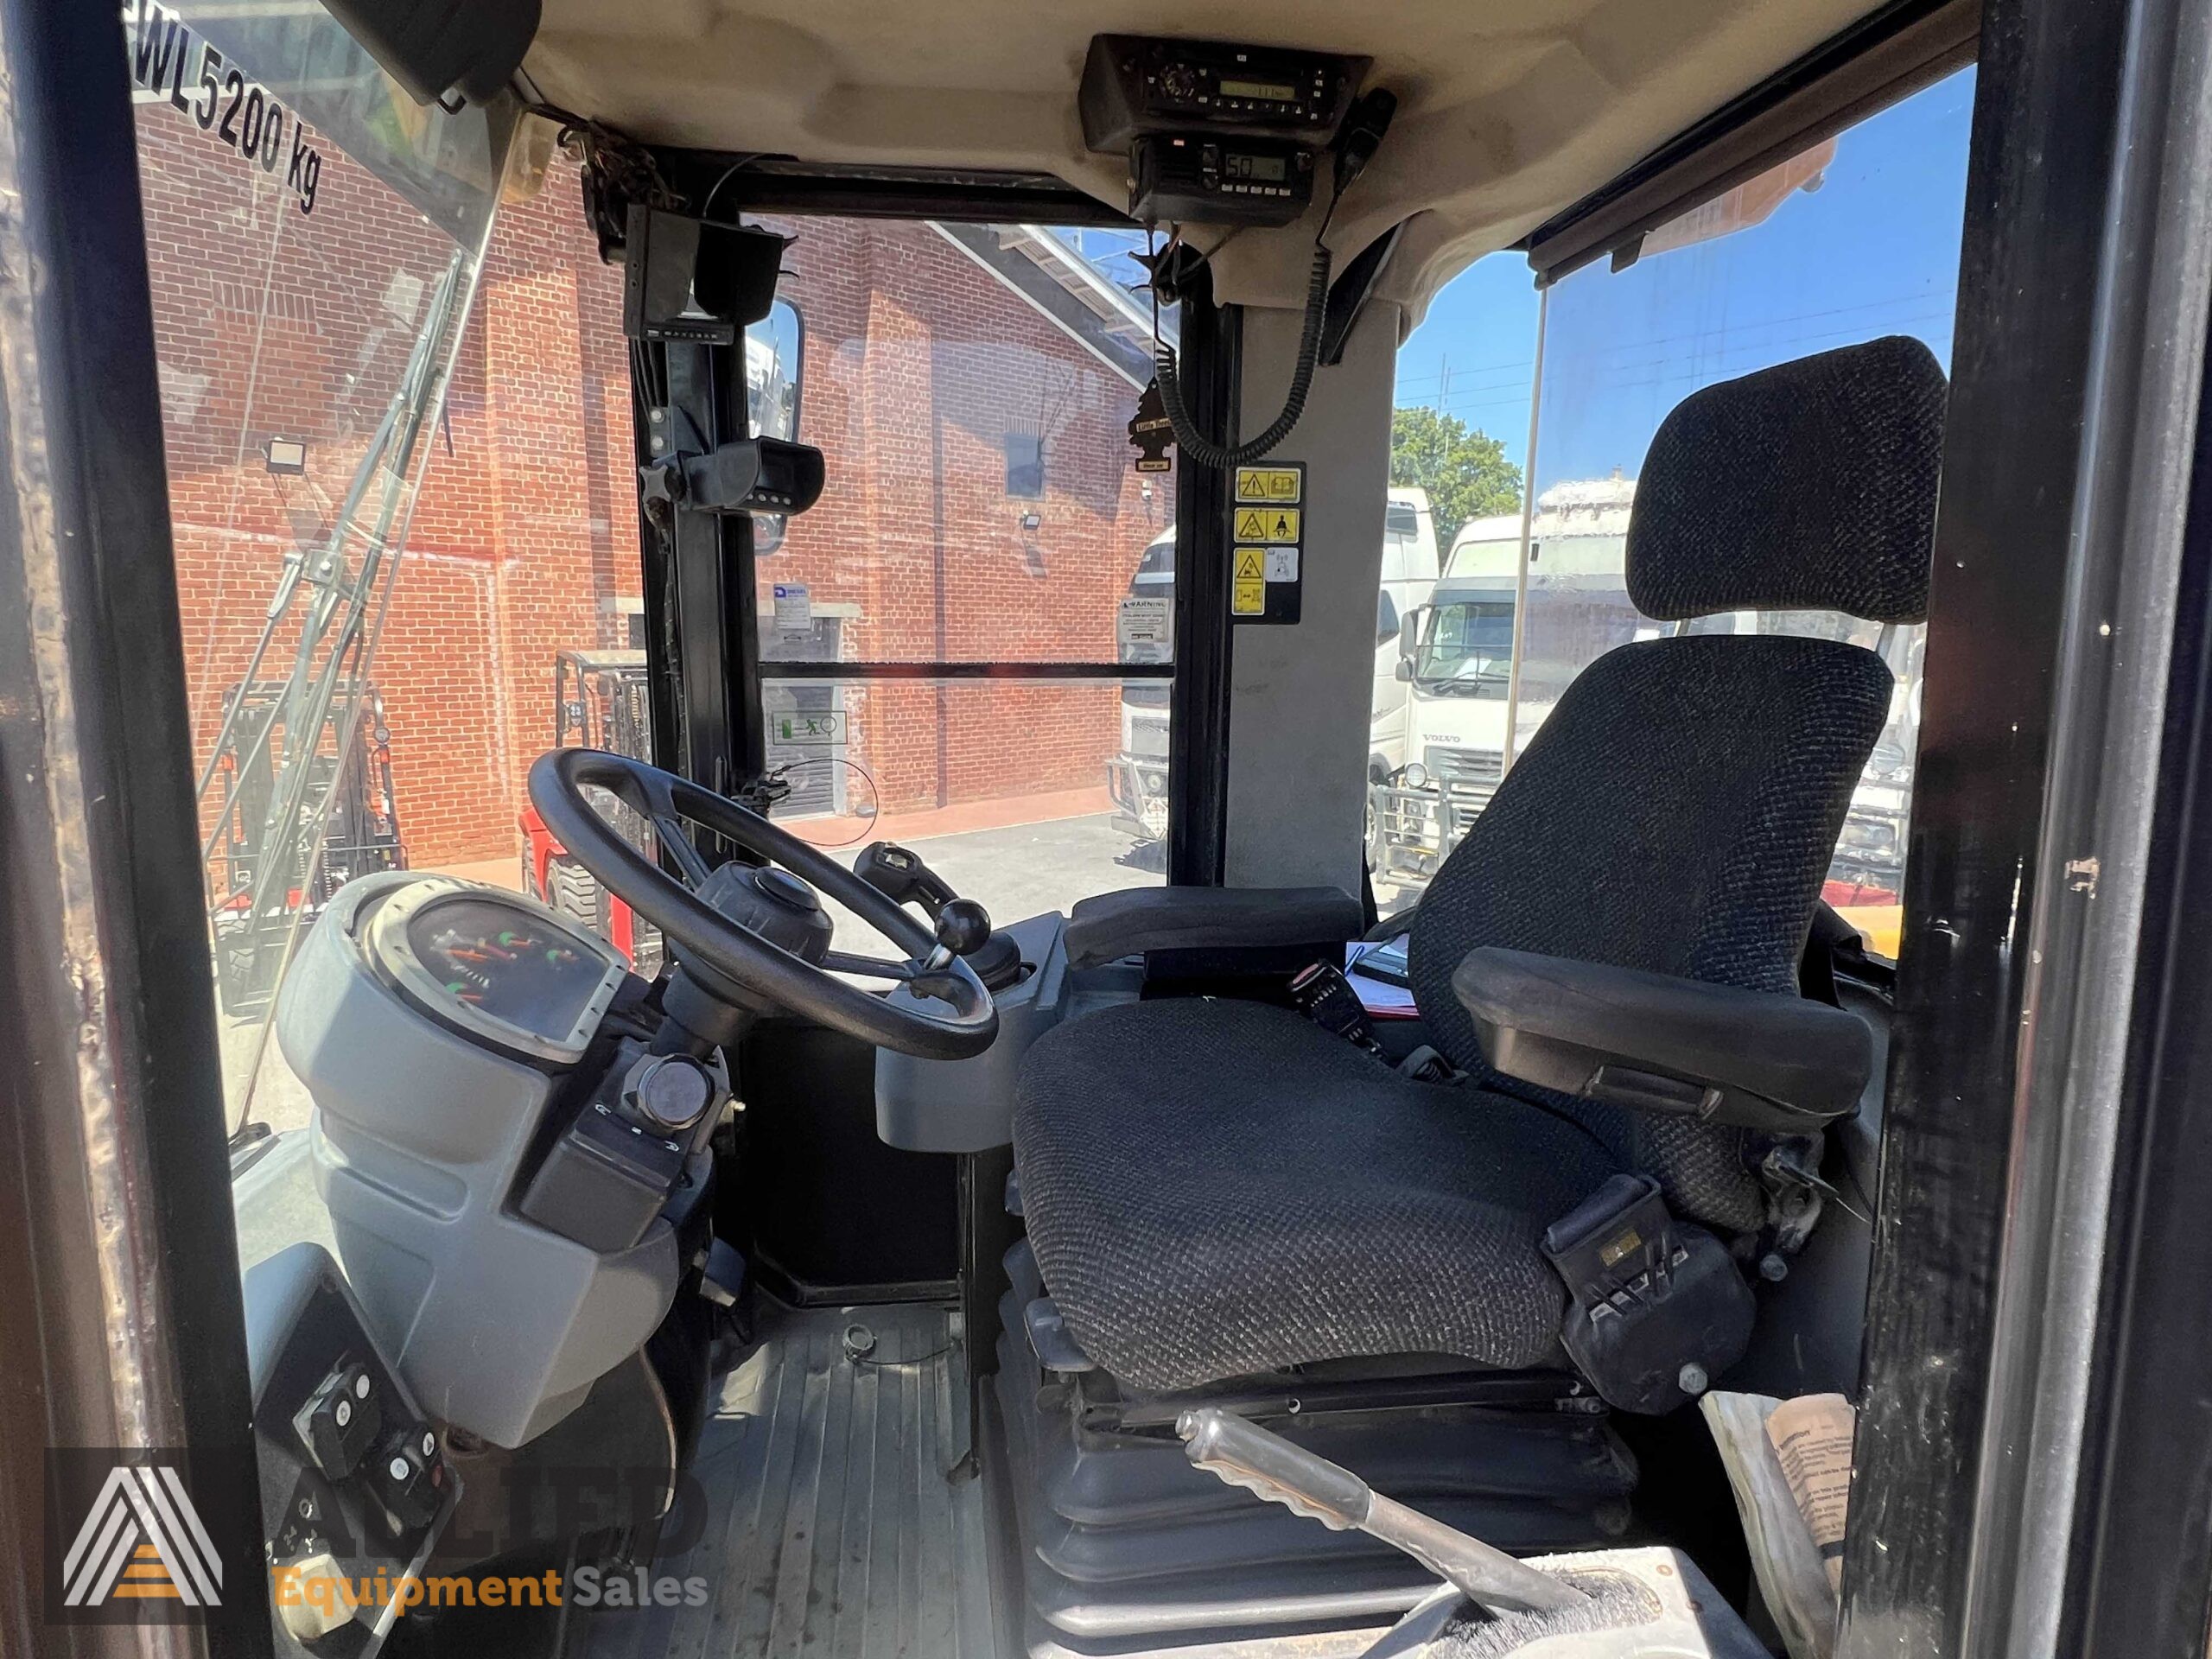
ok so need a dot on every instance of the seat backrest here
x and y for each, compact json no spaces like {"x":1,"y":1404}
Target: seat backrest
{"x":1677,"y":810}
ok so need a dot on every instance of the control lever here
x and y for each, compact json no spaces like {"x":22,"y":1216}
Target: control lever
{"x":963,"y":927}
{"x":1245,"y":1454}
{"x":901,"y":876}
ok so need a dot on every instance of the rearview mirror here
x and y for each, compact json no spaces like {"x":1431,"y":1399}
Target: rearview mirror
{"x":775,"y":368}
{"x":1409,"y":631}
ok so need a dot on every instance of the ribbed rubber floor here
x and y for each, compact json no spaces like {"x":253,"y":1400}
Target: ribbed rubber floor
{"x":832,"y":1529}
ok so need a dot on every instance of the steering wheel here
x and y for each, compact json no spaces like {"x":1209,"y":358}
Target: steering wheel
{"x":725,"y":949}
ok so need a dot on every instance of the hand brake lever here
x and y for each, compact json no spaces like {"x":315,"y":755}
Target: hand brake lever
{"x":1245,"y":1454}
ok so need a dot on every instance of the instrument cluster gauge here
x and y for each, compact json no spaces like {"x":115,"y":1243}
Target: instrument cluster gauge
{"x":494,"y":966}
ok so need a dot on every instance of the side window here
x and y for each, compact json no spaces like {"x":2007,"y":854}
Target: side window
{"x":1451,"y":553}
{"x":1386,"y":619}
{"x":1855,"y":237}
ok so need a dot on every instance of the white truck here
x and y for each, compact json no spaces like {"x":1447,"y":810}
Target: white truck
{"x":1456,"y":657}
{"x":1136,"y":776}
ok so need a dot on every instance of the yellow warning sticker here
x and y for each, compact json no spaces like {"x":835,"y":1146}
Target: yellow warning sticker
{"x":1266,"y":523}
{"x":1283,"y":484}
{"x":1251,"y":563}
{"x":1247,"y":596}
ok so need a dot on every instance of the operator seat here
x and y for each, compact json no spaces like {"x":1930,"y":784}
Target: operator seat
{"x":1217,"y":1188}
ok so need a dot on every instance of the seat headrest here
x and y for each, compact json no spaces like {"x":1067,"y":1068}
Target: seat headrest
{"x":1807,"y":486}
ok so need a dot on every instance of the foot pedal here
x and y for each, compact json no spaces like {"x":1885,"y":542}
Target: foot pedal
{"x":721,"y":1279}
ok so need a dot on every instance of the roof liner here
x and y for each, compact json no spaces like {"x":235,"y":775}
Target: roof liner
{"x":1509,"y":110}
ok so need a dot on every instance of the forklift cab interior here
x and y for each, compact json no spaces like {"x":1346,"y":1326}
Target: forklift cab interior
{"x":1206,"y":1264}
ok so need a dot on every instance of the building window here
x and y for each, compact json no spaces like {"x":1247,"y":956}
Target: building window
{"x":1024,"y":466}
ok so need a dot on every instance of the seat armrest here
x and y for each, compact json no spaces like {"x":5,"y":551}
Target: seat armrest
{"x":1116,"y":924}
{"x":1753,"y":1060}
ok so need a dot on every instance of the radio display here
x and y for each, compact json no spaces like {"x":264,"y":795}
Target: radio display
{"x":1272,"y":169}
{"x":1272,"y":92}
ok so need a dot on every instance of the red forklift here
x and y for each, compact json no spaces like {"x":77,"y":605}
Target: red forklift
{"x":600,"y":700}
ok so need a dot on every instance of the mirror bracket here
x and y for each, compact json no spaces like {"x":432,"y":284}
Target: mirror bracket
{"x":753,"y":478}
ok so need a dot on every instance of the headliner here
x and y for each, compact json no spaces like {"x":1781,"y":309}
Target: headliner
{"x":1509,"y":110}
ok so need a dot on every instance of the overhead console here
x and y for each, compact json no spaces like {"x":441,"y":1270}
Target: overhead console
{"x":1222,"y":134}
{"x":1216,"y":133}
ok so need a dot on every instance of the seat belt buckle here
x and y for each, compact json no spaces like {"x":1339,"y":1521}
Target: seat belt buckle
{"x":1324,"y":996}
{"x":1659,"y":1308}
{"x":1424,"y":1065}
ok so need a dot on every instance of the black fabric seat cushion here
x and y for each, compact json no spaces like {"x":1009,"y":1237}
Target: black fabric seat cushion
{"x":1675,"y":812}
{"x":1219,"y":1188}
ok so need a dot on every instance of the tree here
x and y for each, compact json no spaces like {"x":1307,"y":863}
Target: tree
{"x":1463,"y":468}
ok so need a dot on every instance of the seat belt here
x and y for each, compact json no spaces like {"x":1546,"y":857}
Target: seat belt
{"x":1322,"y":992}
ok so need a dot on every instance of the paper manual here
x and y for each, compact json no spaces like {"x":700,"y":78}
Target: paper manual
{"x":1789,"y":1464}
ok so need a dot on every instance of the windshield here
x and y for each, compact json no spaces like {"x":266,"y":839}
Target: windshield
{"x":1467,"y":649}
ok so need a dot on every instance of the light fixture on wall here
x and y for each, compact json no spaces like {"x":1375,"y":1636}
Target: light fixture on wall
{"x":285,"y":456}
{"x":1031,"y":521}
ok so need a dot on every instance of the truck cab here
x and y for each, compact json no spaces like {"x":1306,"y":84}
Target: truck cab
{"x":1137,"y":775}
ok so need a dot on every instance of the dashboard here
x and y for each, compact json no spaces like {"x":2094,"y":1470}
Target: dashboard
{"x":486,"y":1168}
{"x":492,"y":965}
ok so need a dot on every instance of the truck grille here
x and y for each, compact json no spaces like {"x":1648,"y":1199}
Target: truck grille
{"x":1468,"y":776}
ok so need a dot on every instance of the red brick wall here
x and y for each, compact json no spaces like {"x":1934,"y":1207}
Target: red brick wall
{"x":524,"y":541}
{"x":918,"y":365}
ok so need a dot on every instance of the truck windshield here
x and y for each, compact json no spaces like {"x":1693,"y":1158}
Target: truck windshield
{"x":1467,"y":650}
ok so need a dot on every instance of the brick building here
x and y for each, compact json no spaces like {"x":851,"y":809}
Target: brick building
{"x":970,"y":395}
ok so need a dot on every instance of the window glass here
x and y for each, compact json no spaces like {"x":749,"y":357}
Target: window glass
{"x":1856,"y":237}
{"x":1451,"y":544}
{"x":313,"y":241}
{"x":972,"y":389}
{"x":923,"y":762}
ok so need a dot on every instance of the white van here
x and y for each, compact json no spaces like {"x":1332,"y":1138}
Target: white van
{"x":1410,"y":568}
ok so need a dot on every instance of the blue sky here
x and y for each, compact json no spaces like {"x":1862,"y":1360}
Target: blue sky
{"x":1873,"y":251}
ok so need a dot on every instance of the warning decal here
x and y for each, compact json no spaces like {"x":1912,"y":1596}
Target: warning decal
{"x":1266,"y":523}
{"x":1281,"y":485}
{"x":1267,"y":529}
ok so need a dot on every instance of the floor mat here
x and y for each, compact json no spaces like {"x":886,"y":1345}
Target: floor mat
{"x":831,"y":1528}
